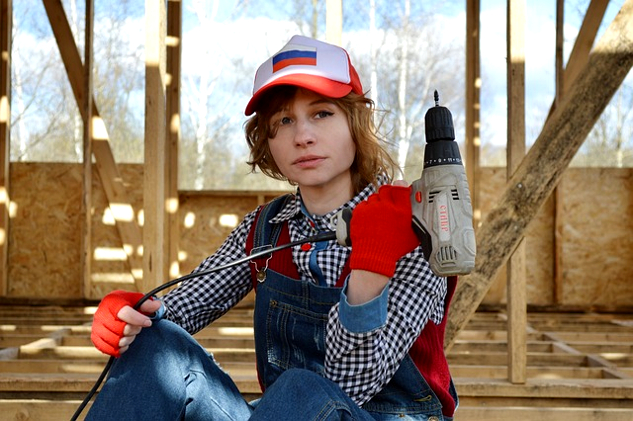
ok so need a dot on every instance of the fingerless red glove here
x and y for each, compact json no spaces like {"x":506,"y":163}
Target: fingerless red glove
{"x":107,"y":328}
{"x":381,"y":230}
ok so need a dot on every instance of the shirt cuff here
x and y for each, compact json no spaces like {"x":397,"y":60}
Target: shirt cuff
{"x":158,"y":314}
{"x":365,"y":317}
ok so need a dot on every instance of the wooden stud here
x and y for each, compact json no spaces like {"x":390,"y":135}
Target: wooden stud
{"x":516,"y":271}
{"x":6,"y":23}
{"x":584,"y":41}
{"x":86,"y":243}
{"x":473,"y":87}
{"x":174,"y":48}
{"x":334,"y":21}
{"x":557,"y":196}
{"x":154,"y":168}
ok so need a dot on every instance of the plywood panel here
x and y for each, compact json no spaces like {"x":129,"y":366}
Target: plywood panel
{"x":598,"y":237}
{"x":44,"y":235}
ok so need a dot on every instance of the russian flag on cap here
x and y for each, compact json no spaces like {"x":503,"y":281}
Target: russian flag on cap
{"x":294,"y":55}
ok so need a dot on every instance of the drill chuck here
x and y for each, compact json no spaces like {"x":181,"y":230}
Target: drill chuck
{"x":438,"y":123}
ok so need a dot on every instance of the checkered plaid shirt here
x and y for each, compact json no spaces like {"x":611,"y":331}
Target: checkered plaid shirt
{"x":361,"y":363}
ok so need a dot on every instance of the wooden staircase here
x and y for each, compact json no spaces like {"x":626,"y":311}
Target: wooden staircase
{"x":580,"y":365}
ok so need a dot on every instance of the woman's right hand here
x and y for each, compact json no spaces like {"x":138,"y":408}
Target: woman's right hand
{"x":116,"y":323}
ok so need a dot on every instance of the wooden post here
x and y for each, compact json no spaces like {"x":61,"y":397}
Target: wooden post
{"x":557,"y":196}
{"x":473,"y":86}
{"x":86,"y":208}
{"x":154,"y":168}
{"x":174,"y":48}
{"x":542,"y":167}
{"x":6,"y":23}
{"x":334,"y":21}
{"x":516,"y":271}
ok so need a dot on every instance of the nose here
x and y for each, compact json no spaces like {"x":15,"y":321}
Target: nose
{"x":304,"y":134}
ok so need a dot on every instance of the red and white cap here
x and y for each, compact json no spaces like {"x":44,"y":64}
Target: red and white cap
{"x":307,"y":63}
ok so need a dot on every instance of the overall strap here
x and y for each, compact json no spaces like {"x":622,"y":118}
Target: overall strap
{"x":267,"y":235}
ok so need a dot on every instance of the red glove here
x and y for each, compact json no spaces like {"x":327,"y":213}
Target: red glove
{"x":381,"y":231}
{"x":107,"y":328}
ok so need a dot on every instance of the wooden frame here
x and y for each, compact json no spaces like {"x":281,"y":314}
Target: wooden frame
{"x":5,"y":137}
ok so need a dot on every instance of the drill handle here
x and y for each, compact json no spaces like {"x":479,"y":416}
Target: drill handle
{"x":343,"y":221}
{"x":423,"y":235}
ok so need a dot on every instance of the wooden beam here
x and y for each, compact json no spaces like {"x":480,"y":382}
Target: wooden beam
{"x":174,"y":53}
{"x":154,"y":170}
{"x":334,"y":21}
{"x":115,"y":190}
{"x":542,"y":167}
{"x":580,"y":52}
{"x":6,"y":23}
{"x":473,"y":87}
{"x":516,"y":270}
{"x":584,"y":41}
{"x":557,"y":195}
{"x":86,"y":211}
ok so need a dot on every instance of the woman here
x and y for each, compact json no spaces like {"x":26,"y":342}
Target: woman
{"x":340,"y":332}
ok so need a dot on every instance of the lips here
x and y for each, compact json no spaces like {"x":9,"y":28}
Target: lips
{"x":308,"y":160}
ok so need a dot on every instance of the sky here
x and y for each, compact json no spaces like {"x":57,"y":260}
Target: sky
{"x":253,"y":39}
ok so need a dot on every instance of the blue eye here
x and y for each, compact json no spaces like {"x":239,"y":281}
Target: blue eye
{"x":323,"y":114}
{"x":285,"y":120}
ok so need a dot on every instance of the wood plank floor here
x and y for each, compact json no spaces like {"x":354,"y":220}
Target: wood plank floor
{"x":580,"y":365}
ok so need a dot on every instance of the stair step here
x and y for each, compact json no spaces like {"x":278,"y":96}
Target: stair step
{"x":90,"y":353}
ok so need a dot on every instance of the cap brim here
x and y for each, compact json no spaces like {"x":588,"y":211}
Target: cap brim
{"x":318,"y":84}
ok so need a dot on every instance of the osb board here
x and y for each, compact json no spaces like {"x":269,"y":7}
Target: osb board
{"x":45,"y":230}
{"x":44,"y":237}
{"x":597,"y":228}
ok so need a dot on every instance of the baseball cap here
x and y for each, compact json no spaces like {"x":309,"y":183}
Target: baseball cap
{"x":307,"y":63}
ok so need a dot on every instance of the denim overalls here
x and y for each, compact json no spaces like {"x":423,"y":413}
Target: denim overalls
{"x":167,"y":375}
{"x":290,"y":321}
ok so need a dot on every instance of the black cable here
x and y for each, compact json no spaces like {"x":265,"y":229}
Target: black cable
{"x":323,"y":236}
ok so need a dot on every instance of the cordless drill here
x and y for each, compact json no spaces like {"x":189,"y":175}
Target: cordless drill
{"x":440,"y":201}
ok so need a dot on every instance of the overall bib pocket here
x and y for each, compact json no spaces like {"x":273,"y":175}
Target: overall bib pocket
{"x":295,"y":337}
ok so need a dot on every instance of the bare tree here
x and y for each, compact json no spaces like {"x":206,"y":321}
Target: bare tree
{"x":42,"y":118}
{"x":610,"y":143}
{"x":417,"y":54}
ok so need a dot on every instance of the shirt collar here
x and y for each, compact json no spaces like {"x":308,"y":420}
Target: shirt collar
{"x":292,"y":208}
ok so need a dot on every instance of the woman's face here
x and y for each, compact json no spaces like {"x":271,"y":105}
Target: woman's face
{"x":313,"y":146}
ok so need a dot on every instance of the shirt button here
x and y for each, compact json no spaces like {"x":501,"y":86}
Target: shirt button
{"x":434,"y":418}
{"x":306,"y":247}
